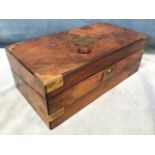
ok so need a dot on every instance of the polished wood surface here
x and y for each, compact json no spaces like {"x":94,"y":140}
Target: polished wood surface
{"x":59,"y":74}
{"x":81,"y":94}
{"x":75,"y":77}
{"x":70,"y":54}
{"x":34,"y":99}
{"x":76,"y":99}
{"x":92,"y":68}
{"x":58,"y":54}
{"x":69,"y":96}
{"x":24,"y":74}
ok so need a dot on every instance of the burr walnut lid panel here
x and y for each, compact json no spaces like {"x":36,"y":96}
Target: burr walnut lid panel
{"x":60,"y":60}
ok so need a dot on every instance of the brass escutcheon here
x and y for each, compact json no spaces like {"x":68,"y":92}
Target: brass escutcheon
{"x":56,"y":114}
{"x":109,"y":72}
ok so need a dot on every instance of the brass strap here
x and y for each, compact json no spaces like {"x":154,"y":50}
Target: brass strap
{"x":56,"y":114}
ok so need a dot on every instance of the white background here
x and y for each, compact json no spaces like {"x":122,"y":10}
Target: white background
{"x":89,"y":9}
{"x":62,"y":9}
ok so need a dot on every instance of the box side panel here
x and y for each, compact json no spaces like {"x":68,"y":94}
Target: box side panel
{"x":24,"y":74}
{"x":35,"y":100}
{"x":80,"y":95}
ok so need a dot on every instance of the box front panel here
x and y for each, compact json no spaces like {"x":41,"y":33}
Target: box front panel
{"x":70,"y":101}
{"x":80,"y":95}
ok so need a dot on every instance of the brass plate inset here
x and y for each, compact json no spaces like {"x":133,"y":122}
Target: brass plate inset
{"x":57,"y":83}
{"x":11,"y":47}
{"x":109,"y":72}
{"x":56,"y":114}
{"x":84,"y":40}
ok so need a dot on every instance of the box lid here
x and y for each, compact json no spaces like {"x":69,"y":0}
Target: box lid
{"x":53,"y":59}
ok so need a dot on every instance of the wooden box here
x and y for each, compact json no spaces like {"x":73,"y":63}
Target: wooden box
{"x":60,"y":74}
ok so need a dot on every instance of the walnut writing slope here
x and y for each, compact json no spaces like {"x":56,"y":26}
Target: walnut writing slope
{"x":60,"y":74}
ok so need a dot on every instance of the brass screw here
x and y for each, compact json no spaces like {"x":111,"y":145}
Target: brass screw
{"x":109,"y":70}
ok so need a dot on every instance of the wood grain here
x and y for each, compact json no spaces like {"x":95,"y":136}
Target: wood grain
{"x":71,"y":95}
{"x":81,"y":94}
{"x":59,"y":74}
{"x":76,"y":76}
{"x":35,"y":100}
{"x":58,"y":54}
{"x":85,"y":72}
{"x":24,"y":74}
{"x":81,"y":102}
